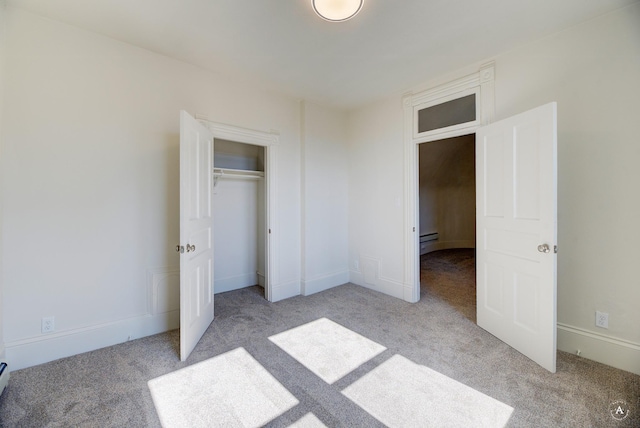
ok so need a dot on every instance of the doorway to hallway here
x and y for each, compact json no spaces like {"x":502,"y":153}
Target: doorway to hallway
{"x":450,"y":276}
{"x":447,"y":214}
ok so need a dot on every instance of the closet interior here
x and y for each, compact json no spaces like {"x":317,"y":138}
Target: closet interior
{"x":239,"y":207}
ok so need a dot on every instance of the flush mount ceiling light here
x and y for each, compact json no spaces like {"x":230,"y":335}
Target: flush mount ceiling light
{"x":337,"y":10}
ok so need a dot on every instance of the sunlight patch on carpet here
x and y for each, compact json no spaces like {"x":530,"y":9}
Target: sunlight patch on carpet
{"x":308,"y":421}
{"x":328,"y":349}
{"x":230,"y":390}
{"x":400,"y":393}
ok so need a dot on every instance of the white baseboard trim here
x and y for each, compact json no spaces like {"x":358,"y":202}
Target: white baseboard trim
{"x":408,"y":293}
{"x":235,"y":282}
{"x":604,"y":349}
{"x":383,"y":285}
{"x":432,"y":246}
{"x":324,"y":282}
{"x":42,"y":349}
{"x":261,"y":279}
{"x":285,"y":290}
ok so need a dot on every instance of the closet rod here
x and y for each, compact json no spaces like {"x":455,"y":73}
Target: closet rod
{"x":235,"y":173}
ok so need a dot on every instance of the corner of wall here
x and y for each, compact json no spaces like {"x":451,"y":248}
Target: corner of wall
{"x":303,"y":193}
{"x":369,"y":278}
{"x":3,"y":7}
{"x":285,"y":290}
{"x":324,"y":282}
{"x":324,"y":200}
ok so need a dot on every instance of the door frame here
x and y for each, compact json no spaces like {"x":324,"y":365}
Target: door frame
{"x":268,"y":140}
{"x":480,"y":83}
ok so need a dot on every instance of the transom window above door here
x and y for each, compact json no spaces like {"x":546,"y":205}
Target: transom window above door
{"x":455,"y":111}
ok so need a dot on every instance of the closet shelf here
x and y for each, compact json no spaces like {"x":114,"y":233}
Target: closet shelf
{"x":219,"y":173}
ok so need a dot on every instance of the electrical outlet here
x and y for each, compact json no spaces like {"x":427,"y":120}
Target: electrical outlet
{"x":48,"y":324}
{"x":602,"y":319}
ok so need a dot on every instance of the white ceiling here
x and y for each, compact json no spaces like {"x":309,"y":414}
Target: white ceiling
{"x":283,"y":46}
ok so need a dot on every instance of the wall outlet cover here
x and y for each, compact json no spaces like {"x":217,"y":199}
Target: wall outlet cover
{"x":48,"y":324}
{"x":602,"y":319}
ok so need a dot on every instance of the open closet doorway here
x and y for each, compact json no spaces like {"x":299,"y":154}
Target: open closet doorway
{"x":447,"y":218}
{"x":240,"y":229}
{"x":196,"y":246}
{"x":245,"y":158}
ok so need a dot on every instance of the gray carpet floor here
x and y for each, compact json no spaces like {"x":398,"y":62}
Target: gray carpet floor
{"x":108,"y":387}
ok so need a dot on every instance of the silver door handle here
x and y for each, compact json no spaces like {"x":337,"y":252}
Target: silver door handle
{"x":179,"y":248}
{"x":544,"y":248}
{"x":191,"y":248}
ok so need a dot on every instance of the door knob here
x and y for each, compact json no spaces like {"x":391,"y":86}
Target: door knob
{"x":190,"y":248}
{"x":179,"y":248}
{"x":544,"y":248}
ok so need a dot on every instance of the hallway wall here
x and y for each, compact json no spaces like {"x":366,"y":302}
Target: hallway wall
{"x":447,"y":193}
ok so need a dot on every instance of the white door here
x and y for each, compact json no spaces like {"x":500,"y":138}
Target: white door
{"x":196,"y":232}
{"x":516,"y":232}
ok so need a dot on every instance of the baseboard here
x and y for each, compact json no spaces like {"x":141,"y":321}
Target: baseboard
{"x":409,"y":295}
{"x":604,"y":349}
{"x":383,"y":285}
{"x":445,"y":245}
{"x":42,"y":349}
{"x":285,"y":290}
{"x":324,"y":282}
{"x":235,"y":282}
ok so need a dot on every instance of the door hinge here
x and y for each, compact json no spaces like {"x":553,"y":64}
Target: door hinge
{"x":555,"y":249}
{"x":414,"y":228}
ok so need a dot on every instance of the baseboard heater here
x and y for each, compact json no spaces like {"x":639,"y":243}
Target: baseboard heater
{"x":4,"y":377}
{"x":429,"y":237}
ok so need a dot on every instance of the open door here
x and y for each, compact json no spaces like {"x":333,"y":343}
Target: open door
{"x":196,"y":232}
{"x":517,"y":232}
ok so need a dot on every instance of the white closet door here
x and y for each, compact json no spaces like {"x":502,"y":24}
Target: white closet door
{"x":196,"y":232}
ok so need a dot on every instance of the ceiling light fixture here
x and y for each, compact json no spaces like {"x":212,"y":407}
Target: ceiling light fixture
{"x":337,"y":10}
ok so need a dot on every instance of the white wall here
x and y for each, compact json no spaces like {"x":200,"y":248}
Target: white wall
{"x":592,"y":71}
{"x":325,"y":196}
{"x":376,"y":197}
{"x":447,"y":193}
{"x":3,"y":8}
{"x":89,"y":171}
{"x":90,"y":184}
